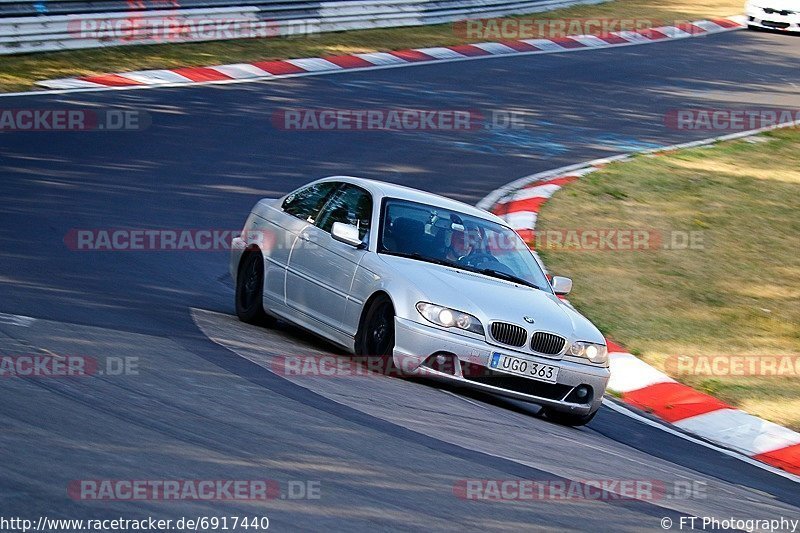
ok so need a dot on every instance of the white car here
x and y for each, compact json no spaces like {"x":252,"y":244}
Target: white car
{"x":773,"y":14}
{"x":438,"y":288}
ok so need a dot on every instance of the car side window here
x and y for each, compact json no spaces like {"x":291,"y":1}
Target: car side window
{"x":351,"y":205}
{"x":306,"y":203}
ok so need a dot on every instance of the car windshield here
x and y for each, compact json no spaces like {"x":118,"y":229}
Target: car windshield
{"x":442,"y":236}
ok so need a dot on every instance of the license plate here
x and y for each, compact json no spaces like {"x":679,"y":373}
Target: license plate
{"x":522,"y":367}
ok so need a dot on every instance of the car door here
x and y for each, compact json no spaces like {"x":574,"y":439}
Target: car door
{"x":297,"y":211}
{"x":321,"y":269}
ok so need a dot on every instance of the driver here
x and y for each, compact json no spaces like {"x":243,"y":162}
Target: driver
{"x":471,"y":241}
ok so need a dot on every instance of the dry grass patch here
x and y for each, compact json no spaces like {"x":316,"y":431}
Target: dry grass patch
{"x":736,"y":295}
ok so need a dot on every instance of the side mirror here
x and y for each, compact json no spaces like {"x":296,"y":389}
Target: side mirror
{"x":347,"y":234}
{"x":561,"y":286}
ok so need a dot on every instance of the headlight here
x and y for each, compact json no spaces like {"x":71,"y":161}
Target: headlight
{"x":596,"y":353}
{"x":449,"y":318}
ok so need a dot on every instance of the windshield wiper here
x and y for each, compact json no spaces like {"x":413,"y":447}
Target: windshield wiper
{"x":506,"y":276}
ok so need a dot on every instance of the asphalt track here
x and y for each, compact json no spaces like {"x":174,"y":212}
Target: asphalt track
{"x":386,"y":453}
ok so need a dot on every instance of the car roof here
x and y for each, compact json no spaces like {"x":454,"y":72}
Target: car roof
{"x":383,"y":189}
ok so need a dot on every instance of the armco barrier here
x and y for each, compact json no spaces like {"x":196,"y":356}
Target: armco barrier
{"x":114,"y":23}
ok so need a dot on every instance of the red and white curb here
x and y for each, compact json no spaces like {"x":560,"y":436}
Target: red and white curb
{"x":639,"y":384}
{"x":258,"y":70}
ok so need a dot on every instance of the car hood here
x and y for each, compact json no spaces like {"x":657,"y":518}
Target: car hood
{"x":491,"y":299}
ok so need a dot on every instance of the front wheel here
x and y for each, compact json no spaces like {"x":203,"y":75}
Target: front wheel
{"x":250,"y":291}
{"x":376,"y":338}
{"x":568,"y":419}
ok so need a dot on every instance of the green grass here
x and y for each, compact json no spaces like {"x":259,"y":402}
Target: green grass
{"x":20,"y":72}
{"x":737,"y":294}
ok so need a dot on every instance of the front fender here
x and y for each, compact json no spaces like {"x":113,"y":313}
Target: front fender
{"x":373,"y":276}
{"x":237,"y":249}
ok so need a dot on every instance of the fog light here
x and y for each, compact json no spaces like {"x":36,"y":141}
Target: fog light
{"x":442,"y":362}
{"x":582,"y":394}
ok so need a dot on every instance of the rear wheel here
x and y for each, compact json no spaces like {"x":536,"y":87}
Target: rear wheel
{"x":250,"y":291}
{"x":376,"y":338}
{"x":568,"y":419}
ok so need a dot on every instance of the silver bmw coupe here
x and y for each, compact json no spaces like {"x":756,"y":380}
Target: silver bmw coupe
{"x":438,"y":288}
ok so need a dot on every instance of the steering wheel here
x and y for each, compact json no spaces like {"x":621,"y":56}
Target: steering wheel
{"x":473,"y":260}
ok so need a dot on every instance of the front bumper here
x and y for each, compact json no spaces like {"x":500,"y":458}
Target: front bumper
{"x":415,"y":343}
{"x":758,"y":17}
